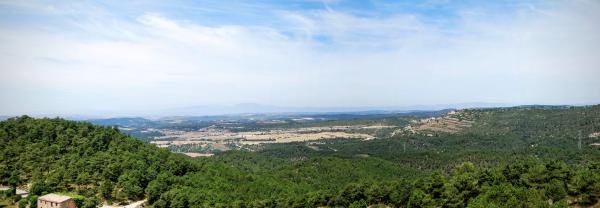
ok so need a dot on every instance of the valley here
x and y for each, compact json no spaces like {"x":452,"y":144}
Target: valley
{"x":524,"y":156}
{"x":206,"y":136}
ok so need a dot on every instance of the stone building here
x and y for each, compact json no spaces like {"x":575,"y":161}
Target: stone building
{"x":55,"y":201}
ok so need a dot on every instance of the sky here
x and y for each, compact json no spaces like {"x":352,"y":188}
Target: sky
{"x":137,"y":57}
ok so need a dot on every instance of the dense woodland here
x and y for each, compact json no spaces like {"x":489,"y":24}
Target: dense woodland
{"x":511,"y":157}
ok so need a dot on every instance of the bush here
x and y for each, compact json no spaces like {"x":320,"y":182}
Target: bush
{"x":39,"y":188}
{"x":90,"y":202}
{"x":33,"y":201}
{"x":23,"y":203}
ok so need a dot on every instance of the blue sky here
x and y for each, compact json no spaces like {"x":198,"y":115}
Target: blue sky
{"x":136,"y":57}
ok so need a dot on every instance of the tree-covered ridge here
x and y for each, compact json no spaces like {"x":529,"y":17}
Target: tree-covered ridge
{"x":482,"y":166}
{"x":498,"y":136}
{"x":538,"y":122}
{"x":60,"y":155}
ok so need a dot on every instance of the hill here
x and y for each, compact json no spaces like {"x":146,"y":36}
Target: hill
{"x":508,"y":157}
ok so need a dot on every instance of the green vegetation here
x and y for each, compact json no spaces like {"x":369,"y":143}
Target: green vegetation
{"x":498,"y":136}
{"x":94,"y":161}
{"x":511,"y":157}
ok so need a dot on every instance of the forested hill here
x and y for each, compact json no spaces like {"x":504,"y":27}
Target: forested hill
{"x":60,"y":155}
{"x":512,"y":157}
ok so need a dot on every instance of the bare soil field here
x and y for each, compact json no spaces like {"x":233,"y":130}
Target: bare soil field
{"x":217,"y":138}
{"x":285,"y":137}
{"x":194,"y":154}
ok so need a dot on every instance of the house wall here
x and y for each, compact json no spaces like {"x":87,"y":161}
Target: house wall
{"x":49,"y":204}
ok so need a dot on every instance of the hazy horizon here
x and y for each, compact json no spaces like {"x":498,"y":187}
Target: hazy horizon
{"x":143,"y":58}
{"x":254,"y":108}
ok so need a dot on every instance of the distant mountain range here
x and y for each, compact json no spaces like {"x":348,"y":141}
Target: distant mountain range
{"x":245,"y":108}
{"x":125,"y":121}
{"x":208,"y":112}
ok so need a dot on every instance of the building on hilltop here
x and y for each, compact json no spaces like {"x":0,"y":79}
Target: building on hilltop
{"x":55,"y":201}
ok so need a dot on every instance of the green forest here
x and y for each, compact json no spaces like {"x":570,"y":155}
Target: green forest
{"x":533,"y":156}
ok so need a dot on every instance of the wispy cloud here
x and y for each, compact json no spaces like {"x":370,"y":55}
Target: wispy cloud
{"x":73,"y":58}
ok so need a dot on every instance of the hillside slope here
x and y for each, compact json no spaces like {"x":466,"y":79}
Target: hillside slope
{"x":59,"y":155}
{"x":498,"y":161}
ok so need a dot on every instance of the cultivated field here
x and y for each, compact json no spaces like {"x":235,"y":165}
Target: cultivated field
{"x":215,"y":138}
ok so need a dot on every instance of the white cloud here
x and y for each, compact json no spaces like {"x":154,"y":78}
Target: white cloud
{"x":319,"y":58}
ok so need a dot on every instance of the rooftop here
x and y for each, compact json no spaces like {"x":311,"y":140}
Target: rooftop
{"x":21,"y":192}
{"x":55,"y":198}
